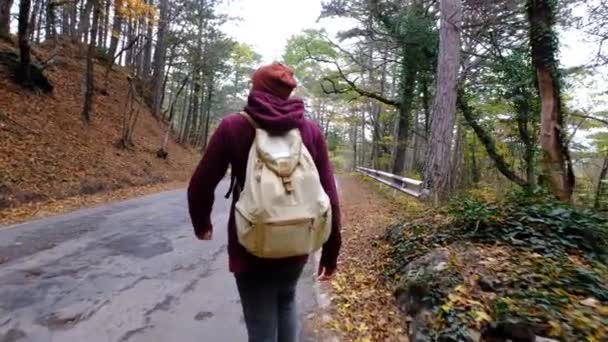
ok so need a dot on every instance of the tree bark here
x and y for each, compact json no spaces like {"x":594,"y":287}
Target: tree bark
{"x":51,"y":33}
{"x":426,"y":107}
{"x":408,"y":84}
{"x":208,"y":116}
{"x":32,"y":22}
{"x":599,"y":193}
{"x":83,"y":27}
{"x":529,"y":146}
{"x":162,"y":152}
{"x":129,"y":35}
{"x":73,"y":5}
{"x":148,"y":47}
{"x":475,"y":172}
{"x":38,"y":27}
{"x":116,"y":27}
{"x":555,"y":157}
{"x":89,"y":76}
{"x":160,"y":54}
{"x":437,"y":166}
{"x":355,"y":136}
{"x":5,"y":17}
{"x":106,"y":24}
{"x":25,"y":58}
{"x":65,"y":20}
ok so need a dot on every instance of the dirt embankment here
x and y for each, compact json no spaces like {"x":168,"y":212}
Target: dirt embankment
{"x":47,"y":152}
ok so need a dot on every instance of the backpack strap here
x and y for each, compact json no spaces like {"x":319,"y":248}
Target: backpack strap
{"x":233,"y":181}
{"x":250,"y":120}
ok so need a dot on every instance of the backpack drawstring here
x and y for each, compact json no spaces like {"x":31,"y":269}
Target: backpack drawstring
{"x":231,"y":187}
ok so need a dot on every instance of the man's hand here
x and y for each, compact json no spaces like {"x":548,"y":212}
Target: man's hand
{"x":207,"y":236}
{"x":325,"y":273}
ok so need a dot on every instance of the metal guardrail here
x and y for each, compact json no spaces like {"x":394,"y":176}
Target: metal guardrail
{"x":409,"y":186}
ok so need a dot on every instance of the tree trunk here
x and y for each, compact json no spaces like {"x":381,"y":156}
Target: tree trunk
{"x":456,"y":163}
{"x":103,"y":25}
{"x":129,"y":37}
{"x":426,"y":107}
{"x":194,"y":110}
{"x":555,"y":157}
{"x":33,"y":17}
{"x":208,"y":116}
{"x":106,"y":25}
{"x":475,"y":172}
{"x":363,"y":140}
{"x":25,"y":58}
{"x":89,"y":76}
{"x":116,"y":28}
{"x":416,"y":151}
{"x":529,"y":146}
{"x":160,"y":54}
{"x":50,"y":20}
{"x":162,"y":152}
{"x":408,"y":84}
{"x":355,"y":134}
{"x":65,"y":20}
{"x":38,"y":27}
{"x":166,"y":76}
{"x":148,"y":47}
{"x":186,"y":114}
{"x":5,"y":18}
{"x":599,"y":193}
{"x":73,"y":5}
{"x":437,"y":168}
{"x":83,"y":28}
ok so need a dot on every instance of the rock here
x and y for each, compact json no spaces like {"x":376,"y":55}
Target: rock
{"x":447,"y":338}
{"x":440,"y":266}
{"x":473,"y":335}
{"x":412,"y":298}
{"x":509,"y":330}
{"x":487,"y":284}
{"x":545,"y":339}
{"x":590,"y":302}
{"x":418,"y":332}
{"x":426,"y":264}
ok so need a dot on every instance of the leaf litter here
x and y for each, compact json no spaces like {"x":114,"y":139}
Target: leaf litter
{"x":364,"y":308}
{"x":50,"y":159}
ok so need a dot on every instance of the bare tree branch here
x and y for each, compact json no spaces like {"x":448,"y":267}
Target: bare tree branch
{"x":590,"y":117}
{"x":352,"y":84}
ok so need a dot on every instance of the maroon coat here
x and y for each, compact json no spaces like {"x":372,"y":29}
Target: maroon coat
{"x":230,"y":145}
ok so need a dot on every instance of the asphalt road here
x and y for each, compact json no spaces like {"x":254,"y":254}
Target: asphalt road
{"x":129,"y":271}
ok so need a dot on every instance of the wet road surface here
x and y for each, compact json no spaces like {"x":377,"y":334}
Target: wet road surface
{"x":129,"y":271}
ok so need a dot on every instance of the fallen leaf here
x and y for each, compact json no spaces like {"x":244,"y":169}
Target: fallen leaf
{"x":590,"y":302}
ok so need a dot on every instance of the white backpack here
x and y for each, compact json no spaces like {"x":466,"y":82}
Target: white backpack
{"x":283,"y":210}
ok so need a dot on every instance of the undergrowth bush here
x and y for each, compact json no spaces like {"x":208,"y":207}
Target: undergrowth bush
{"x":532,"y":222}
{"x":553,"y":281}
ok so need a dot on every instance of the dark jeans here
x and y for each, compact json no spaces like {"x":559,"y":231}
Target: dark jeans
{"x":269,"y":305}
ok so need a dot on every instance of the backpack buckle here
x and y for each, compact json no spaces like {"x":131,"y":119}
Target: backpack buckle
{"x":287,"y":184}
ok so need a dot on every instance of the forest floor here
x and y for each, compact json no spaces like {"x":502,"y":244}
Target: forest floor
{"x":363,"y":307}
{"x":476,"y":269}
{"x":51,"y":161}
